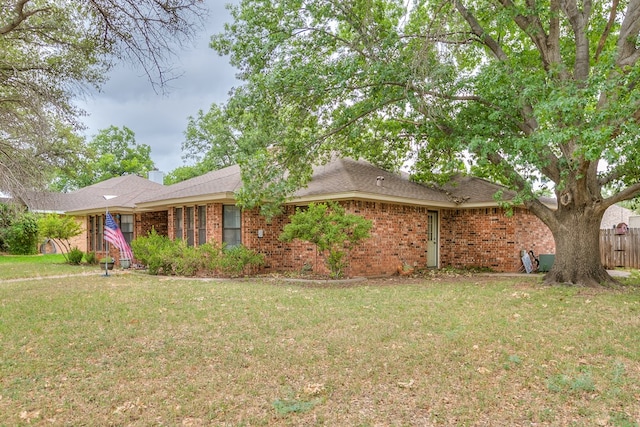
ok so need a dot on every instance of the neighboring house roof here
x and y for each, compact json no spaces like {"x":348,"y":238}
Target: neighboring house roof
{"x":614,"y":215}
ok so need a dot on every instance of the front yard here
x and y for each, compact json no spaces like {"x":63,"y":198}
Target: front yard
{"x":132,"y":349}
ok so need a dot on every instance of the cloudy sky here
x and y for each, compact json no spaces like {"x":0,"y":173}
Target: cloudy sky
{"x":158,"y":120}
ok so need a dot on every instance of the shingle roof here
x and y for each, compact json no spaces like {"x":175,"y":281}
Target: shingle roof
{"x":219,"y":182}
{"x":348,"y":178}
{"x":341,"y":178}
{"x":358,"y":178}
{"x":127,"y":190}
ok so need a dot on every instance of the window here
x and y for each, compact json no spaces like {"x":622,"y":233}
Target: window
{"x":177,"y":223}
{"x":202,"y":225}
{"x":126,"y":226}
{"x":96,"y":228}
{"x":231,"y":226}
{"x":92,"y":233}
{"x":190,"y":226}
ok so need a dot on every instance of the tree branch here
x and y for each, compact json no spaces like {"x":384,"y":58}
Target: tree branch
{"x":20,"y":16}
{"x":628,"y":53}
{"x":579,"y":20}
{"x":626,"y":194}
{"x":477,"y":29}
{"x":607,"y":29}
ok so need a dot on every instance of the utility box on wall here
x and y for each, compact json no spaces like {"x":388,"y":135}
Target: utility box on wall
{"x":546,"y":262}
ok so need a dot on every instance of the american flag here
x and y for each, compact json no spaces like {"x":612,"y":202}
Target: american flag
{"x":113,"y":235}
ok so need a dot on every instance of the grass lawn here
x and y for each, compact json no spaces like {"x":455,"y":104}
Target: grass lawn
{"x":131,"y":349}
{"x":23,"y":266}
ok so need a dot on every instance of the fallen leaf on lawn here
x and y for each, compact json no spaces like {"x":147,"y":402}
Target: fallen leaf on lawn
{"x":314,"y":389}
{"x":29,"y":415}
{"x":408,"y":384}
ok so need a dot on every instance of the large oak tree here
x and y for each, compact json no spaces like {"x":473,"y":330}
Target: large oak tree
{"x":54,"y":50}
{"x":536,"y":94}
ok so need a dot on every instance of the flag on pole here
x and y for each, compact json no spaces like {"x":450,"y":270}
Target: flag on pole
{"x":113,"y":235}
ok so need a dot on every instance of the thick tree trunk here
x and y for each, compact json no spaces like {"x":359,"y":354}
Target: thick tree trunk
{"x":577,"y":259}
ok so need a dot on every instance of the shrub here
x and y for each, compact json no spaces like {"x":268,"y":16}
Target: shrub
{"x":90,"y":258}
{"x":75,"y":256}
{"x":211,"y":254}
{"x":327,"y":226}
{"x":235,"y":260}
{"x":21,"y":237}
{"x":150,"y":250}
{"x":9,"y":213}
{"x":187,"y":261}
{"x":164,"y":256}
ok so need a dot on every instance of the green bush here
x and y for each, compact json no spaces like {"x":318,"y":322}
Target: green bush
{"x":211,"y":254}
{"x":91,"y":258}
{"x":235,"y":260}
{"x":75,"y":256}
{"x":163,"y":256}
{"x":21,"y":237}
{"x":331,"y":229}
{"x":9,"y":212}
{"x":187,"y":261}
{"x":150,"y":250}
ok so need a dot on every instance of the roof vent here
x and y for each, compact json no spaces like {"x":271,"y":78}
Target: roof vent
{"x":379,"y":180}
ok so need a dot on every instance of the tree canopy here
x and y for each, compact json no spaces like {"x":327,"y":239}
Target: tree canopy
{"x":210,"y":144}
{"x":55,"y":50}
{"x":533,"y":94}
{"x":112,"y":152}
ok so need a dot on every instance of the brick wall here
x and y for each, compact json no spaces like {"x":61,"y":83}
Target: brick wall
{"x":79,"y":241}
{"x":398,"y":235}
{"x":490,"y":238}
{"x":468,"y":238}
{"x":214,"y":222}
{"x":146,"y":221}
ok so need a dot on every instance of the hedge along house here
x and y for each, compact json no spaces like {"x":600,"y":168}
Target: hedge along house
{"x":459,"y":225}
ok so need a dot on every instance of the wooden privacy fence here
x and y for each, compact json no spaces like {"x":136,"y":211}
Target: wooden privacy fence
{"x":620,"y":250}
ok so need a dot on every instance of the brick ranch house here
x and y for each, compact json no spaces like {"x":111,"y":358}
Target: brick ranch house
{"x":459,"y":225}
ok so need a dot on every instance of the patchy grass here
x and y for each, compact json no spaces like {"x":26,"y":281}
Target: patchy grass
{"x":132,"y":349}
{"x":24,"y":266}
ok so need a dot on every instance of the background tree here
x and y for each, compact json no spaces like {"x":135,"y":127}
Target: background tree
{"x":536,"y":95}
{"x":54,"y":50}
{"x":210,"y":144}
{"x":211,"y":139}
{"x":112,"y":152}
{"x":20,"y":237}
{"x":9,"y":212}
{"x":330,"y":229}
